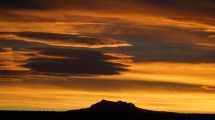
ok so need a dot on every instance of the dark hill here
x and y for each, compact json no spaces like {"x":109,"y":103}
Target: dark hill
{"x":109,"y":106}
{"x":105,"y":110}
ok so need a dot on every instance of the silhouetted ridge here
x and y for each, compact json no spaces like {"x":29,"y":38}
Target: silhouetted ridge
{"x":106,"y":110}
{"x":119,"y":106}
{"x":109,"y":106}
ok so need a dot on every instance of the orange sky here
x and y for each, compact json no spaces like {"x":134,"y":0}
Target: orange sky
{"x":72,"y":53}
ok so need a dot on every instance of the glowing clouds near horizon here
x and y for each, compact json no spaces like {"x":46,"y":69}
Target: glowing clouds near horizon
{"x":59,"y":97}
{"x":187,"y":73}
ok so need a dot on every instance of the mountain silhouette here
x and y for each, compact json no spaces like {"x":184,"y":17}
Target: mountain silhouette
{"x":110,"y":106}
{"x":105,"y":110}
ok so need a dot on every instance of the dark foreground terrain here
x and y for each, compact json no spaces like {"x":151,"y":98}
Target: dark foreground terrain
{"x":105,"y":110}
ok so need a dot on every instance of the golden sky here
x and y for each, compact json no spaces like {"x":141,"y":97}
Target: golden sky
{"x":69,"y":54}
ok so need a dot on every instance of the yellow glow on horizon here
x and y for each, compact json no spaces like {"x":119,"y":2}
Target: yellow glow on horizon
{"x":199,"y":74}
{"x":34,"y":98}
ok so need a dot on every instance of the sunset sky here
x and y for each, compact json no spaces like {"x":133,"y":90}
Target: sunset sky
{"x":68,"y":54}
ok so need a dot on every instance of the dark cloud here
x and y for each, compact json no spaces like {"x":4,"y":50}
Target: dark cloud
{"x":187,"y":7}
{"x":43,"y":62}
{"x":74,"y":62}
{"x":18,"y":44}
{"x":165,"y":7}
{"x":21,"y":4}
{"x":59,"y":39}
{"x":133,"y":32}
{"x":7,"y":16}
{"x":12,"y":75}
{"x":52,"y":4}
{"x":170,"y":52}
{"x":161,"y":44}
{"x":5,"y":73}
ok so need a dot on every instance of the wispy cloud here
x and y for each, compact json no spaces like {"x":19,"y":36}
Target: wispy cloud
{"x":59,"y":39}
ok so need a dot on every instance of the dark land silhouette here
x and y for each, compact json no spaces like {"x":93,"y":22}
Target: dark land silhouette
{"x":114,"y":107}
{"x":106,"y":110}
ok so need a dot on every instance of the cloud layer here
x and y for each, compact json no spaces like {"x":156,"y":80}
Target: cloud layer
{"x":60,"y":61}
{"x":165,"y":7}
{"x":74,"y":62}
{"x":159,"y":53}
{"x":58,"y":39}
